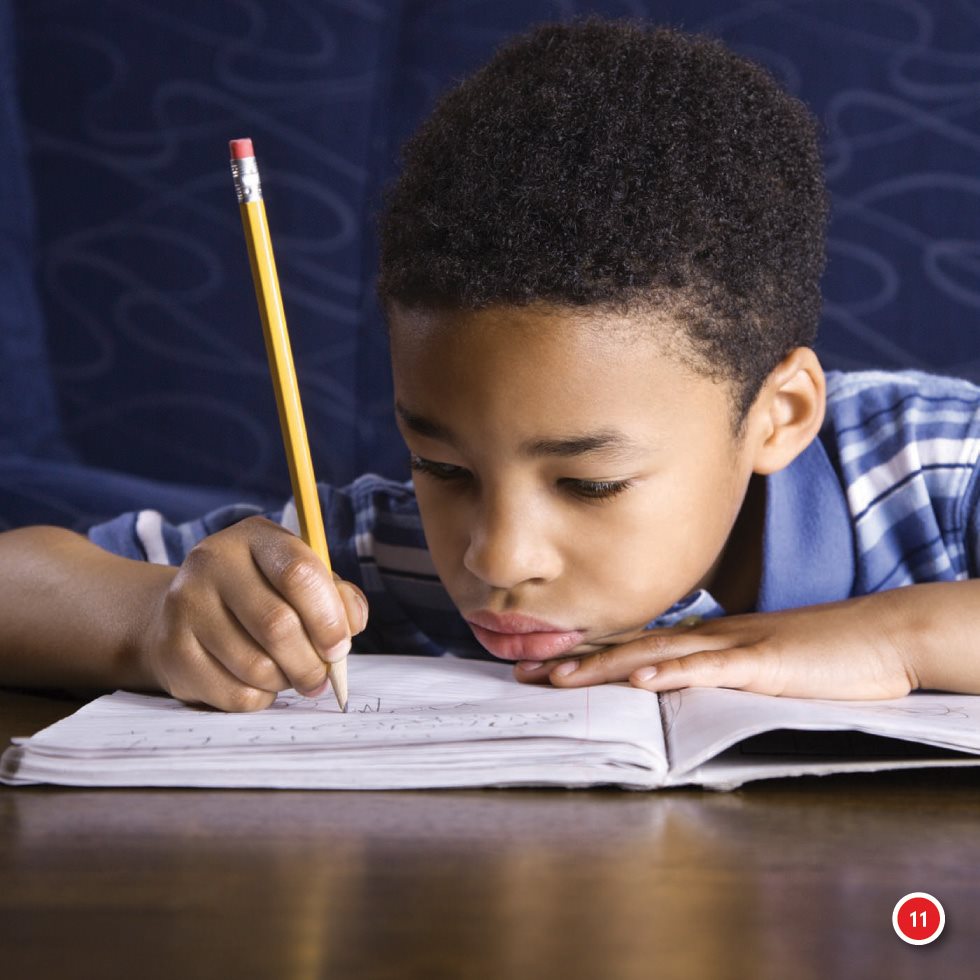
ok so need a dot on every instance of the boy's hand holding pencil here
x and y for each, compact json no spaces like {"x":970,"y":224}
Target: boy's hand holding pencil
{"x":251,"y":611}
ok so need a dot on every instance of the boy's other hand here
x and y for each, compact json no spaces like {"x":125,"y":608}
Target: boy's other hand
{"x":856,"y":649}
{"x":251,"y":611}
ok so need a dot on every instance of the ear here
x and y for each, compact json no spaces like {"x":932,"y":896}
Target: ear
{"x":788,"y":412}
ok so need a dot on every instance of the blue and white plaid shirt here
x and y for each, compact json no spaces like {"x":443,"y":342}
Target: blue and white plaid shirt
{"x":888,"y":495}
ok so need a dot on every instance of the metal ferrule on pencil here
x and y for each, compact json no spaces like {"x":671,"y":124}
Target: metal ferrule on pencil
{"x":245,"y":173}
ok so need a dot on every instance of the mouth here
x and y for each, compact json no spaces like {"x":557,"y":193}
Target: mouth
{"x":513,"y":636}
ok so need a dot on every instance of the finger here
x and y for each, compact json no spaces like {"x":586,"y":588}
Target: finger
{"x":312,"y":601}
{"x":230,"y":643}
{"x":197,"y":677}
{"x":617,"y":663}
{"x":533,"y":671}
{"x":355,"y":604}
{"x":734,"y":667}
{"x":274,"y":630}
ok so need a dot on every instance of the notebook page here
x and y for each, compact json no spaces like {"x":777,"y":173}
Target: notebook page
{"x":700,"y":723}
{"x":435,"y":707}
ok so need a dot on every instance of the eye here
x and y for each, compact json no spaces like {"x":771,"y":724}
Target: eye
{"x":596,"y":489}
{"x":441,"y":471}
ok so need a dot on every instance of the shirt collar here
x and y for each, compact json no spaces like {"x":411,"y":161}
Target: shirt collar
{"x":808,"y":541}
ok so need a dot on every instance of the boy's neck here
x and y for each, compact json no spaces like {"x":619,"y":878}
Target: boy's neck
{"x":735,"y":584}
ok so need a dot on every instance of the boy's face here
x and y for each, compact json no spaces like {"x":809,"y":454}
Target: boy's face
{"x":574,"y":480}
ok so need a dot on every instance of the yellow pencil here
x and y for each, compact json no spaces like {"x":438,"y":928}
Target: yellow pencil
{"x":246,"y":176}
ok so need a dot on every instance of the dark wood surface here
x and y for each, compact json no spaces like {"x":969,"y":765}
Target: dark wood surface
{"x":784,"y":879}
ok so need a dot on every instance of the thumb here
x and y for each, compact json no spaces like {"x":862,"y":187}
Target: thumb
{"x":355,"y":604}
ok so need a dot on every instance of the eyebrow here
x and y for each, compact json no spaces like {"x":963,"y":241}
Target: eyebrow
{"x":605,"y":441}
{"x":423,"y":426}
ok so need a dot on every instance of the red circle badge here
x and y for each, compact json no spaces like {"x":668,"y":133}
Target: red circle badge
{"x":918,"y":918}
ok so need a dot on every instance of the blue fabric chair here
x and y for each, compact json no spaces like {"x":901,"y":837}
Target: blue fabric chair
{"x":132,"y":370}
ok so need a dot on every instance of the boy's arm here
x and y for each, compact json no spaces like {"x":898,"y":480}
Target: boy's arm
{"x":251,"y":611}
{"x":73,"y":615}
{"x":876,"y":646}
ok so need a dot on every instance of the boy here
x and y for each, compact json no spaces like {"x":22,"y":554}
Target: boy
{"x":601,"y":274}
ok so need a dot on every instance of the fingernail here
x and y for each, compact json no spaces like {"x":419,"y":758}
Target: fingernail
{"x":530,"y":664}
{"x":563,"y":670}
{"x":363,"y":606}
{"x":645,"y":674}
{"x":338,"y":651}
{"x":355,"y":607}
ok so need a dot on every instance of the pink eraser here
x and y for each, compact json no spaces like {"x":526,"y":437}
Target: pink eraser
{"x":241,"y":149}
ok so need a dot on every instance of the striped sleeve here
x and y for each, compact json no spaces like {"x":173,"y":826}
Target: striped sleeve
{"x":907,"y":448}
{"x":376,"y":541}
{"x":147,"y":536}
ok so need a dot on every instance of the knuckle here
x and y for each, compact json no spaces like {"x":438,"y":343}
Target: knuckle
{"x":261,"y":672}
{"x":328,"y":613}
{"x":307,"y":680}
{"x":711,"y":661}
{"x":200,"y":560}
{"x":255,"y":527}
{"x":241,"y":699}
{"x":277,"y":624}
{"x":658,"y":645}
{"x":256,"y":522}
{"x":178,"y":689}
{"x":299,"y":573}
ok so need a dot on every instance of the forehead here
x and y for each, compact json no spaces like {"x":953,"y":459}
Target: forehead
{"x":534,"y":370}
{"x":563,"y":337}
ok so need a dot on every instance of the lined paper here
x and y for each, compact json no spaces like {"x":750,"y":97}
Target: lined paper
{"x":413,"y":722}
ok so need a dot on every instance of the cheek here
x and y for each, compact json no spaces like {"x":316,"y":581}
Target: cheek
{"x":445,"y":522}
{"x":664,"y":542}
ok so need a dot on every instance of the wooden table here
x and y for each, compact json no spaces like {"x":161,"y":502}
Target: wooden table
{"x":789,"y":880}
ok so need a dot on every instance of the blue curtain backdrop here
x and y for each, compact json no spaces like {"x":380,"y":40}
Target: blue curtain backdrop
{"x":125,"y":108}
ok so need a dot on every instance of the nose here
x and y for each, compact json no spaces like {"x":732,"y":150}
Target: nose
{"x":509,"y":544}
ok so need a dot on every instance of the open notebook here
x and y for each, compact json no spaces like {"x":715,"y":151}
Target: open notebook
{"x":415,"y":723}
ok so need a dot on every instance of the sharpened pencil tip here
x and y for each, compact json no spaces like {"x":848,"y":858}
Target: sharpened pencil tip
{"x":344,"y":709}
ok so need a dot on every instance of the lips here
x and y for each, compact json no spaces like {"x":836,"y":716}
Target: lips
{"x":513,"y":636}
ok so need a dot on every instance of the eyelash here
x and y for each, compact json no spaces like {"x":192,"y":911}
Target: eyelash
{"x":594,"y":490}
{"x":441,"y":471}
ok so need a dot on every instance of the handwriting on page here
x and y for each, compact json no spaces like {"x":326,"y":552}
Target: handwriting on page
{"x":293,"y":720}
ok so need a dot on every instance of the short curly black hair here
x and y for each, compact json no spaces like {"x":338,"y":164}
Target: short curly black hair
{"x":624,"y":167}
